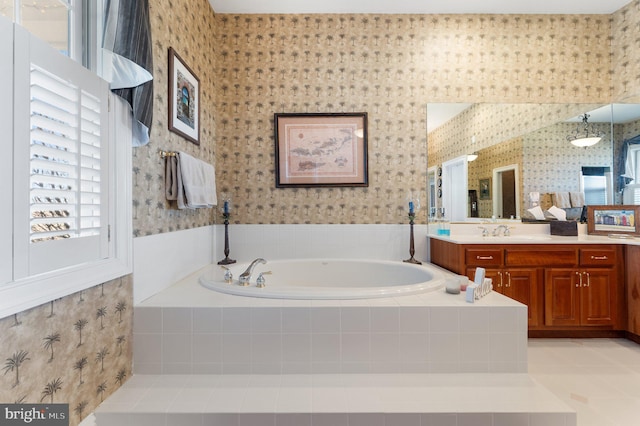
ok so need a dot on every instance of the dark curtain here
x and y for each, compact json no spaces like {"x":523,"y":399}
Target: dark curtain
{"x":131,"y":39}
{"x":622,"y":161}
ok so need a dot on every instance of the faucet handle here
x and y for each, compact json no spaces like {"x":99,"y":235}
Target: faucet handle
{"x":261,"y":282}
{"x":485,"y":231}
{"x":507,"y":230}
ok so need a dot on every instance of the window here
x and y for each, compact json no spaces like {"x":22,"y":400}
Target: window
{"x":70,"y":218}
{"x":69,"y":26}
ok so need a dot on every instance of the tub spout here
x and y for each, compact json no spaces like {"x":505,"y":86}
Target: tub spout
{"x":245,"y":277}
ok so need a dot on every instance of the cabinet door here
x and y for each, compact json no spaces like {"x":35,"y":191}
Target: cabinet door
{"x":597,"y":297}
{"x":562,"y":297}
{"x":521,"y":284}
{"x":496,"y":275}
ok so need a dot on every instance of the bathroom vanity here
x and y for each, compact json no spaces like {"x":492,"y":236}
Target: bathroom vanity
{"x":571,"y":288}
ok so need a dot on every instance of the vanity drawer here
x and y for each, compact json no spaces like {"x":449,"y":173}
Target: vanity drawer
{"x":597,"y":257}
{"x":483,"y":257}
{"x":541,"y":256}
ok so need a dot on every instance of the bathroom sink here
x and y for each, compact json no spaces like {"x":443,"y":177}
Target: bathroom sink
{"x":491,"y":239}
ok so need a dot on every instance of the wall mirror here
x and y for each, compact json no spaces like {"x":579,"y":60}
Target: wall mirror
{"x":497,"y":160}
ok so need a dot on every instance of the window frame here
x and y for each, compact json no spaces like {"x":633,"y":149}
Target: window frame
{"x":24,"y":292}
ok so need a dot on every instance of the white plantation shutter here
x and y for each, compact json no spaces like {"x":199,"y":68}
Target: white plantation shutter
{"x":65,"y":124}
{"x":68,"y":183}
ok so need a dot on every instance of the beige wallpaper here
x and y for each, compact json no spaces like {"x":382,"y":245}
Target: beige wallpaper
{"x":74,"y":350}
{"x":389,"y":66}
{"x":625,"y":44}
{"x":190,"y":28}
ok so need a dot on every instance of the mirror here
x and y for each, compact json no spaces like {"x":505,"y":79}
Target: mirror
{"x":505,"y":154}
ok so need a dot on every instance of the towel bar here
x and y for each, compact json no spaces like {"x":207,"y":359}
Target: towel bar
{"x":165,"y":154}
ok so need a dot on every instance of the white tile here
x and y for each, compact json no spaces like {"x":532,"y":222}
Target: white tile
{"x":547,"y":419}
{"x":296,"y":347}
{"x":266,"y":348}
{"x":207,"y":320}
{"x":413,"y":319}
{"x":330,"y":419}
{"x":236,"y":320}
{"x":444,"y":348}
{"x":511,"y":419}
{"x":503,"y":347}
{"x":176,"y":320}
{"x":266,"y":320}
{"x":354,"y":319}
{"x":207,"y":348}
{"x":385,"y":319}
{"x":176,"y":348}
{"x":236,"y":348}
{"x":325,"y":320}
{"x":296,"y":320}
{"x":147,"y":348}
{"x":474,"y":320}
{"x":147,"y":320}
{"x":413,"y":347}
{"x":293,"y":419}
{"x":443,"y":320}
{"x":355,"y":348}
{"x":439,"y":419}
{"x":475,"y":419}
{"x":402,"y":419}
{"x":385,"y":348}
{"x":366,"y":419}
{"x":325,"y":348}
{"x":505,"y":320}
{"x":251,"y":419}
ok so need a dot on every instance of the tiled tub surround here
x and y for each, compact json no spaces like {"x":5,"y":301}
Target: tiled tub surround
{"x":206,"y":358}
{"x":188,"y":329}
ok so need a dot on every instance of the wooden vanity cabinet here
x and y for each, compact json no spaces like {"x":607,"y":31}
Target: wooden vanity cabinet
{"x":585,"y":295}
{"x":518,"y":283}
{"x":565,"y":286}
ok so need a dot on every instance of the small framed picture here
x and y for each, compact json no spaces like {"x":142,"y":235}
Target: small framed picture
{"x":184,"y":99}
{"x":321,"y":149}
{"x":613,"y":220}
{"x":485,"y":189}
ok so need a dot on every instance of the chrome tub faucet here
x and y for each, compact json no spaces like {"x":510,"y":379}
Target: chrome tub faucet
{"x":245,"y":277}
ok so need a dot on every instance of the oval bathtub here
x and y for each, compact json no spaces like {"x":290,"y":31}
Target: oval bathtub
{"x":328,"y":279}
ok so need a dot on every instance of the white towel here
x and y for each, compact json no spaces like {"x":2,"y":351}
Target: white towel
{"x":558,"y":213}
{"x":577,"y":199}
{"x":537,"y":212}
{"x":198,"y":181}
{"x":561,"y":200}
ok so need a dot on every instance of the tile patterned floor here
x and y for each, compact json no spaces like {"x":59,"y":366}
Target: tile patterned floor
{"x":599,"y":378}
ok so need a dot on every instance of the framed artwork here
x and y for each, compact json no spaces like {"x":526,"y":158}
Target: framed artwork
{"x":485,"y":189}
{"x":613,"y":220}
{"x":321,"y":149}
{"x":184,"y":99}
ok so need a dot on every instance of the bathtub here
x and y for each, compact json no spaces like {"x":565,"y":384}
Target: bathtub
{"x":328,"y":279}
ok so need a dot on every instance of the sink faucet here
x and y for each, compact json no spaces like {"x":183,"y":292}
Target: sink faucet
{"x":246,"y":275}
{"x":505,"y":231}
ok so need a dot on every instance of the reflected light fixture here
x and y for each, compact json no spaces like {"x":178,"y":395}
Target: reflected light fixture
{"x":585,"y":135}
{"x":472,"y":157}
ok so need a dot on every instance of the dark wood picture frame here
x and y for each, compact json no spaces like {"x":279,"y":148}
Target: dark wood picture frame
{"x":321,"y":149}
{"x":184,"y":99}
{"x":613,"y":220}
{"x":484,"y":186}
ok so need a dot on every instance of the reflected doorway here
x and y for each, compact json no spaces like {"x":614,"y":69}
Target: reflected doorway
{"x":506,"y":197}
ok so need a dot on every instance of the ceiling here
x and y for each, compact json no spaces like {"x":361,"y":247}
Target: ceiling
{"x":420,"y":6}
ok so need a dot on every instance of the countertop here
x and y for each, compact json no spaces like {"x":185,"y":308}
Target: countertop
{"x":470,"y":233}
